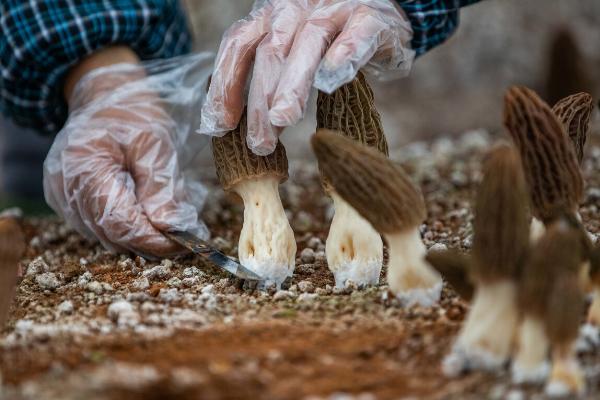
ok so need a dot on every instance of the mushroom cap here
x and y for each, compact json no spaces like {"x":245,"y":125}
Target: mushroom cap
{"x":549,"y":161}
{"x":567,"y":70}
{"x":455,"y":268}
{"x":235,"y":162}
{"x":351,"y":111}
{"x":372,"y":184}
{"x":574,"y":113}
{"x":501,"y":224}
{"x":550,"y":287}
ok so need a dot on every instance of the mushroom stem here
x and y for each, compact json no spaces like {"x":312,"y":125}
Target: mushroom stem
{"x":566,"y":377}
{"x":351,"y":257}
{"x":409,"y":276}
{"x":537,"y":229}
{"x":354,"y":248}
{"x":485,"y":340}
{"x":530,"y":364}
{"x":267,"y":245}
{"x":594,"y":311}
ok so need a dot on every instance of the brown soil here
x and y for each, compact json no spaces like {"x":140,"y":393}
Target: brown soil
{"x":248,"y":346}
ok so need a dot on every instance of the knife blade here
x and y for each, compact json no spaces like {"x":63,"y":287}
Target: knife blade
{"x":204,"y":249}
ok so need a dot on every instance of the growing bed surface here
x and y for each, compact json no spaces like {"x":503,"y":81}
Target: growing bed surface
{"x":196,"y":333}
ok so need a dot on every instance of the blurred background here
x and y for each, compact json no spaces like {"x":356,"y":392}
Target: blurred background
{"x":549,"y":45}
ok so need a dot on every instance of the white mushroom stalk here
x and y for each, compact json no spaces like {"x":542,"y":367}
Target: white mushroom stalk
{"x":354,"y":248}
{"x":551,"y":302}
{"x":267,"y":245}
{"x":384,"y":195}
{"x":501,"y":239}
{"x":409,"y":275}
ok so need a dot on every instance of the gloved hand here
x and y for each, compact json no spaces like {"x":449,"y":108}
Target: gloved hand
{"x":113,"y":172}
{"x":296,"y":44}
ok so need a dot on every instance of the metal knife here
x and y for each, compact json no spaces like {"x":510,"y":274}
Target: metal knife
{"x":202,"y":248}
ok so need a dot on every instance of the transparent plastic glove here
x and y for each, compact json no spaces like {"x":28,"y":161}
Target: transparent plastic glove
{"x":114,"y":170}
{"x":294,"y":45}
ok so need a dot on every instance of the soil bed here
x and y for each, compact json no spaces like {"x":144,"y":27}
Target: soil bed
{"x":120,"y":327}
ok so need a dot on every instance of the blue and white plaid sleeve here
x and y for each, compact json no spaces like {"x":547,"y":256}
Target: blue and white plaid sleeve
{"x":41,"y":39}
{"x":432,"y":21}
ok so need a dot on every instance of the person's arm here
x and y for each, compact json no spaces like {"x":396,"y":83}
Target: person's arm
{"x":113,"y":170}
{"x":42,"y":41}
{"x":432,"y":21}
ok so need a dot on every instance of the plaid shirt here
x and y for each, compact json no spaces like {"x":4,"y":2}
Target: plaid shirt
{"x":41,"y":39}
{"x":432,"y":21}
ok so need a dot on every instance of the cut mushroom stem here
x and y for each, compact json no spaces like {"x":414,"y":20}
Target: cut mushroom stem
{"x":384,"y":195}
{"x":354,"y":249}
{"x":267,"y":245}
{"x":12,"y":247}
{"x":501,"y":239}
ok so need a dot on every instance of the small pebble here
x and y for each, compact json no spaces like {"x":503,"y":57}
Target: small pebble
{"x":66,"y":307}
{"x":47,"y":281}
{"x":438,"y":247}
{"x":95,"y":287}
{"x":141,"y":283}
{"x":306,"y":286}
{"x":307,"y":297}
{"x":37,"y":266}
{"x":307,"y":255}
{"x":281,"y":295}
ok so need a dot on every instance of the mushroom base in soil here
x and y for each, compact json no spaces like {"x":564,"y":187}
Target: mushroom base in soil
{"x":530,"y":364}
{"x":566,"y":378}
{"x":486,"y":338}
{"x":354,"y":248}
{"x":409,"y":276}
{"x":267,"y":245}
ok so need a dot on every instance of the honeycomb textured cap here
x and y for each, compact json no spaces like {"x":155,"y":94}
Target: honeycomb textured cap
{"x":377,"y":188}
{"x":351,"y":111}
{"x":549,"y":161}
{"x":574,"y":113}
{"x":501,"y":225}
{"x":552,"y":290}
{"x":235,"y":162}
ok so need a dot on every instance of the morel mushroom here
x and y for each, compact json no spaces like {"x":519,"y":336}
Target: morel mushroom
{"x":500,"y":243}
{"x":574,"y":113}
{"x":549,"y":161}
{"x":551,"y":301}
{"x":12,"y":247}
{"x":267,"y":245}
{"x":354,"y":249}
{"x":385,"y":196}
{"x":455,"y":268}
